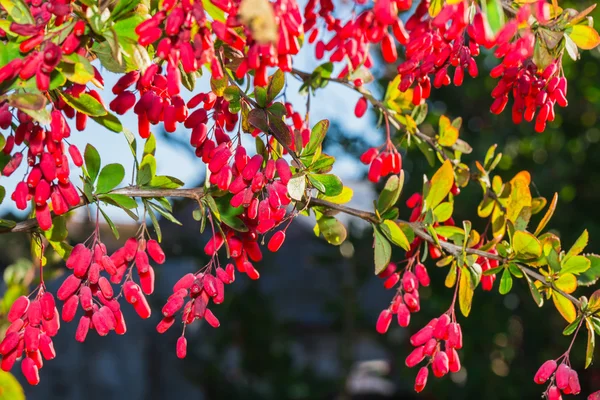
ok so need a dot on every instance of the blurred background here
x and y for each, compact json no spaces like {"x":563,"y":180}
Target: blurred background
{"x":305,"y":330}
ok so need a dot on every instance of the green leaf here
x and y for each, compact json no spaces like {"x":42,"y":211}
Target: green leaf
{"x":229,"y":215}
{"x":123,"y":7}
{"x":58,"y":232}
{"x":526,"y":245}
{"x":443,"y":211}
{"x":110,"y":176}
{"x":155,"y":223}
{"x":121,"y":200}
{"x":466,"y":289}
{"x":10,"y":388}
{"x":276,"y":83}
{"x":213,"y":11}
{"x":568,"y":331}
{"x":150,"y":145}
{"x":317,"y":135}
{"x":383,"y":251}
{"x":328,"y":184}
{"x":18,"y":11}
{"x":110,"y":122}
{"x":85,"y":104}
{"x":441,"y":183}
{"x":111,"y":224}
{"x":296,"y":187}
{"x":591,"y":343}
{"x":147,"y":170}
{"x":590,"y":276}
{"x":3,"y":194}
{"x":332,"y":230}
{"x":92,"y":161}
{"x":393,"y":232}
{"x":165,"y":213}
{"x":391,"y":192}
{"x":419,"y":113}
{"x":506,"y":282}
{"x":453,"y":233}
{"x":165,"y":182}
{"x":495,"y":14}
{"x":575,"y":265}
{"x":578,"y":246}
{"x":535,"y":292}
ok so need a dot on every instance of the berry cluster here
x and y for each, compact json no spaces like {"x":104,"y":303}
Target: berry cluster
{"x":88,"y":287}
{"x":48,"y":179}
{"x":382,"y":164}
{"x":184,"y":34}
{"x":428,"y":343}
{"x":435,"y":44}
{"x":200,"y":288}
{"x":351,"y":40}
{"x":562,"y":379}
{"x":406,"y":299}
{"x":533,"y":91}
{"x":29,"y":336}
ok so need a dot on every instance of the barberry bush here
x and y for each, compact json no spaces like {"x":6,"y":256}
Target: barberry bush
{"x":54,"y":54}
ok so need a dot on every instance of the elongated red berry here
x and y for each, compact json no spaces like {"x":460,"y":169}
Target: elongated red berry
{"x":69,"y":286}
{"x":415,"y":357}
{"x":181,"y":347}
{"x":440,"y":364}
{"x":30,"y":371}
{"x":383,"y":322}
{"x":276,"y":241}
{"x":545,"y":372}
{"x":18,"y":308}
{"x":155,"y":251}
{"x":421,"y":380}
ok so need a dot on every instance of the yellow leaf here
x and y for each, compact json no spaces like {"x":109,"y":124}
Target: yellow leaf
{"x":397,"y":100}
{"x":259,"y":17}
{"x":567,"y":283}
{"x":520,"y":196}
{"x":396,"y":235}
{"x":435,"y":7}
{"x":440,"y":185}
{"x":548,"y":215}
{"x":10,"y":388}
{"x":448,"y":133}
{"x":341,"y":198}
{"x":585,"y":37}
{"x":564,"y":307}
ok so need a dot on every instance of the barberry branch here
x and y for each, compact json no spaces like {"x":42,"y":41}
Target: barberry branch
{"x":198,"y":193}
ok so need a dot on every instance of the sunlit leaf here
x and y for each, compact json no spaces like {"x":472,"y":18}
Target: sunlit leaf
{"x":564,"y":306}
{"x":441,"y":183}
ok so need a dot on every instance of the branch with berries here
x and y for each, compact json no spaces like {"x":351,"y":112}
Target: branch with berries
{"x":252,"y":194}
